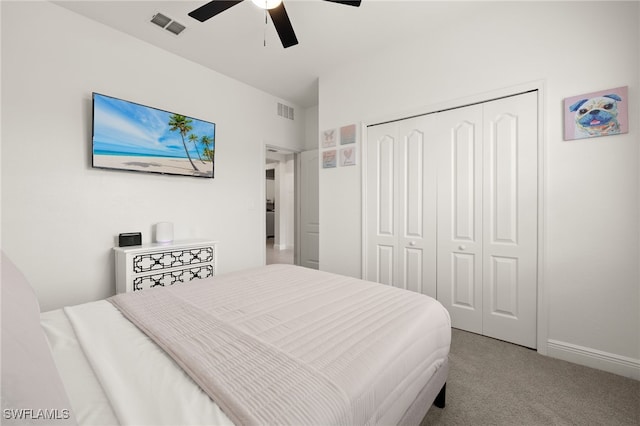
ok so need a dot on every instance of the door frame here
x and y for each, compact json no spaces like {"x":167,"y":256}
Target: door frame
{"x":542,"y":317}
{"x":296,"y":201}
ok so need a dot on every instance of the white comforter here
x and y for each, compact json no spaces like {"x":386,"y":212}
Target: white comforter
{"x":139,"y":384}
{"x":114,"y":374}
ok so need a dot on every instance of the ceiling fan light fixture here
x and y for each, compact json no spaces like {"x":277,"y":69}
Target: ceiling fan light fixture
{"x":267,"y":4}
{"x":277,"y":11}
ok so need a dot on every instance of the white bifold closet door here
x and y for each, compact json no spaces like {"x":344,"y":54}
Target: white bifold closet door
{"x":451,"y":212}
{"x":401,"y":209}
{"x":487,"y":217}
{"x":460,"y":216}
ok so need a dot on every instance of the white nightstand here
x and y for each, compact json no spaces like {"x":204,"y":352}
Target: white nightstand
{"x":151,"y":265}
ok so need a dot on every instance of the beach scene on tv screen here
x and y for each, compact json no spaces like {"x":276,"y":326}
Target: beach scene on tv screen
{"x":129,"y":136}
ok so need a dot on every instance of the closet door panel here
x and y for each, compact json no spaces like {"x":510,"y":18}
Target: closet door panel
{"x":510,"y":219}
{"x":503,"y":286}
{"x":463,"y":149}
{"x":385,"y":264}
{"x":412,"y":175}
{"x":385,"y":152}
{"x":417,"y":216}
{"x":381,"y":204}
{"x":459,"y":215}
{"x":464,"y":281}
{"x":413,"y":270}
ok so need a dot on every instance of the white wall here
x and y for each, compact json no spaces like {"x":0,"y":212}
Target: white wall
{"x":311,"y":128}
{"x":591,"y":239}
{"x":60,"y":216}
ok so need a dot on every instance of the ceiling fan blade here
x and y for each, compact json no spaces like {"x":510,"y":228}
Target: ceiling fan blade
{"x":355,"y":3}
{"x":283,"y":26}
{"x":212,"y":8}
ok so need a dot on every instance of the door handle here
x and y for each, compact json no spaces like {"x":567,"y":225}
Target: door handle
{"x":412,"y":243}
{"x":462,"y":247}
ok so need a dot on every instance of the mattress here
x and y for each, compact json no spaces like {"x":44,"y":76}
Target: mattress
{"x":114,"y":373}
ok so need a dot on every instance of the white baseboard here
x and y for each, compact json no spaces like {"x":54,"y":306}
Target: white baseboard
{"x":617,"y":364}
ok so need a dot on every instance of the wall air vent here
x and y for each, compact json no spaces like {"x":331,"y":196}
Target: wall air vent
{"x":270,"y":174}
{"x":285,"y":111}
{"x":167,"y":23}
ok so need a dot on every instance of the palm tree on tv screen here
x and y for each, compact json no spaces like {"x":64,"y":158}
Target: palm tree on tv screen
{"x":183,"y":125}
{"x":194,"y":140}
{"x":207,"y":142}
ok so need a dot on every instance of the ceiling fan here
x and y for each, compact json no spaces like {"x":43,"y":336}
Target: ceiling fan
{"x":276,"y":10}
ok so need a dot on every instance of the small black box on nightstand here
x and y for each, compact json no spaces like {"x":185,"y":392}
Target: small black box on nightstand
{"x":130,"y":239}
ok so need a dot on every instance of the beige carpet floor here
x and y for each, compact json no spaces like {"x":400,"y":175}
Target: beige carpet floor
{"x":496,"y":383}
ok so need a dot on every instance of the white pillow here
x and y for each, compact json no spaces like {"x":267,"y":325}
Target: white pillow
{"x":31,"y":388}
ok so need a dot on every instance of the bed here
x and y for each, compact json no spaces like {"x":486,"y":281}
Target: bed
{"x":278,"y":344}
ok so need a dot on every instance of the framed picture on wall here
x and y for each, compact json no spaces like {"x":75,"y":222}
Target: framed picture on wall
{"x":328,"y":138}
{"x":602,"y":113}
{"x":348,"y":156}
{"x":348,"y":134}
{"x":329,"y":159}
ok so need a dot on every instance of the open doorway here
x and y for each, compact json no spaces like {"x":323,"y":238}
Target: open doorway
{"x":280,"y":205}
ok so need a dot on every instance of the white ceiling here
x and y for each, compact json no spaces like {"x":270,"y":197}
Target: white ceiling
{"x":232,"y":42}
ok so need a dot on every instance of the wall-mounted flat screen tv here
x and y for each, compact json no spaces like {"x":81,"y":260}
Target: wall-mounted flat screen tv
{"x":130,"y":136}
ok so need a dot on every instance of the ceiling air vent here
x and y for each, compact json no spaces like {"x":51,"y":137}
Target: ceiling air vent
{"x":285,"y":111}
{"x":175,"y":27}
{"x":160,"y":20}
{"x":167,"y":23}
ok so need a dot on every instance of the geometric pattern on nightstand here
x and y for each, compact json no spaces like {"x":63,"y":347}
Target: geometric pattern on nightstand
{"x":171,"y":259}
{"x":165,"y":279}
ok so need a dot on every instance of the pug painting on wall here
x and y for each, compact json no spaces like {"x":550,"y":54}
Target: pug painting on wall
{"x":595,"y":114}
